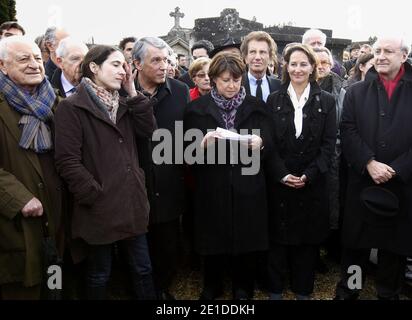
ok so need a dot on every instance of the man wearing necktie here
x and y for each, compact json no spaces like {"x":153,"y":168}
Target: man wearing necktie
{"x":258,"y":49}
{"x":259,"y":93}
{"x":70,"y":54}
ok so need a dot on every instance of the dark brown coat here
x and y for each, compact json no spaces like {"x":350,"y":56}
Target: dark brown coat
{"x":99,"y":161}
{"x":23,"y":176}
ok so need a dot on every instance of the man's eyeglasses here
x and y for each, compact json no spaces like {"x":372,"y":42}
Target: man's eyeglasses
{"x":324,"y":63}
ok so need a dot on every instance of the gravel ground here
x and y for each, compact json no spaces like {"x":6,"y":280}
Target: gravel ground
{"x":188,"y":285}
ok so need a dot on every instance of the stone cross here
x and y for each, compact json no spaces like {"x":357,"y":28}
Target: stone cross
{"x":177,"y":15}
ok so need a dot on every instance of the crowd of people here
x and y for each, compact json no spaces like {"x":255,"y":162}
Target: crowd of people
{"x":79,"y":127}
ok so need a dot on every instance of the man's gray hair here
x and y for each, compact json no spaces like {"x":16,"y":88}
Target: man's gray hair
{"x":403,"y":44}
{"x":309,"y":34}
{"x":6,"y":42}
{"x":327,"y":51}
{"x":67,"y":43}
{"x":50,"y":35}
{"x":141,"y":46}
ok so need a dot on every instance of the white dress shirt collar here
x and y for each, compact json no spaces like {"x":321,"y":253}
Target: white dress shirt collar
{"x":67,"y":86}
{"x":264,"y":85}
{"x":298,"y":104}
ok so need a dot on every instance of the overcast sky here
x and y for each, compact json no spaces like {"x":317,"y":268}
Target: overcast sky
{"x":109,"y":21}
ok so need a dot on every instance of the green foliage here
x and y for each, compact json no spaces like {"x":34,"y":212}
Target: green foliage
{"x":7,"y":10}
{"x":4,"y":11}
{"x":12,"y":10}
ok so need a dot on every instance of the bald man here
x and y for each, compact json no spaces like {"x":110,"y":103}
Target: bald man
{"x":376,"y":138}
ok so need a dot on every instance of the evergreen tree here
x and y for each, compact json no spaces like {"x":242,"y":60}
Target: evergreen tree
{"x":4,"y":11}
{"x":12,"y":10}
{"x":7,"y":10}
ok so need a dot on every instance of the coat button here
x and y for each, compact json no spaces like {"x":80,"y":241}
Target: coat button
{"x":319,"y":110}
{"x":383,"y":144}
{"x":302,"y":137}
{"x":278,"y":108}
{"x":157,"y":194}
{"x":41,"y":185}
{"x":121,"y":140}
{"x":305,"y":116}
{"x":129,"y":168}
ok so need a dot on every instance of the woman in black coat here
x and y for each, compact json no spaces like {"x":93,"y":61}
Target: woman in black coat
{"x":230,"y":215}
{"x":305,"y":135}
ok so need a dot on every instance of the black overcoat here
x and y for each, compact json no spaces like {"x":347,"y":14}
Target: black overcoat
{"x":165,"y":181}
{"x":374,"y":127}
{"x":230,"y":215}
{"x":301,"y":216}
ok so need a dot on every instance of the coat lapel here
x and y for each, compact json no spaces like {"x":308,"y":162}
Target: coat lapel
{"x":274,"y":84}
{"x":213,"y":110}
{"x":245,"y":82}
{"x":248,"y":107}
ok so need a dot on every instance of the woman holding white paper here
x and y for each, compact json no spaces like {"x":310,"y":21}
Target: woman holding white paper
{"x":230,"y":218}
{"x":305,"y":135}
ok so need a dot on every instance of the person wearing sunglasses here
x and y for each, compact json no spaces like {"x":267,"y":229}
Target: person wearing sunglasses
{"x":199,"y":72}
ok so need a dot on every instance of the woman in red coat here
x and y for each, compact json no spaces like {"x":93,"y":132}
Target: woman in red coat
{"x":199,"y":73}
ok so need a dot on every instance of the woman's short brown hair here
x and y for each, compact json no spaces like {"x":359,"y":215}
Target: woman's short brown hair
{"x":226,"y":61}
{"x":197,"y":66}
{"x":308,"y":51}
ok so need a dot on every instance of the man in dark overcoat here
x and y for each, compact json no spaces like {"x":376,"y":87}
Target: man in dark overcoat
{"x":376,"y":138}
{"x":165,"y":182}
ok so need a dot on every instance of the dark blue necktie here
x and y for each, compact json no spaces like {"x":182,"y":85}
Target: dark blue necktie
{"x":259,"y":93}
{"x":72,"y":90}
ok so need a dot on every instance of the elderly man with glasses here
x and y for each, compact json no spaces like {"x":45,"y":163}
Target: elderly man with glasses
{"x":376,"y":142}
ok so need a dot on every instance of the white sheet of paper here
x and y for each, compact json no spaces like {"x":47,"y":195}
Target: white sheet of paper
{"x":229,"y":135}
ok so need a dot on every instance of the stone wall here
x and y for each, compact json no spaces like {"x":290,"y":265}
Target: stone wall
{"x":229,"y":24}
